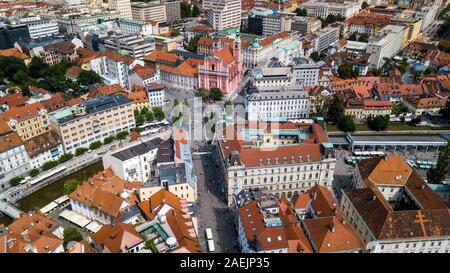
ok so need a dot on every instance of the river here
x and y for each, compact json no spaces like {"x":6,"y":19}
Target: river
{"x":45,"y":195}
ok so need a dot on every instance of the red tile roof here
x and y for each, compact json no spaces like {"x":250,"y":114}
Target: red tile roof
{"x":117,"y":237}
{"x":103,"y":192}
{"x":23,"y":112}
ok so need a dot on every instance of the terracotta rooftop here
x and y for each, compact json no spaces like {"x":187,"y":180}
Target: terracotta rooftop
{"x":271,"y":39}
{"x":385,"y":222}
{"x":117,"y":237}
{"x":73,"y":71}
{"x":42,"y":143}
{"x":23,"y":112}
{"x":13,"y":100}
{"x":162,"y":57}
{"x":14,"y":53}
{"x":144,"y":72}
{"x":54,"y":103}
{"x":106,"y":192}
{"x":75,"y":101}
{"x":153,"y":205}
{"x":235,"y":148}
{"x":137,"y":96}
{"x":331,"y":234}
{"x":183,"y":229}
{"x":32,"y":232}
{"x":104,"y":90}
{"x":119,"y":58}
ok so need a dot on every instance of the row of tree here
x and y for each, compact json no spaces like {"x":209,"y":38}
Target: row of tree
{"x":214,"y":94}
{"x":147,"y":115}
{"x":189,"y":10}
{"x":68,"y":156}
{"x":38,"y":73}
{"x":359,"y":37}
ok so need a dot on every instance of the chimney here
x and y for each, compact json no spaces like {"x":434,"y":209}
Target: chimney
{"x":374,"y":197}
{"x":315,"y":195}
{"x":333,"y":228}
{"x":422,"y":186}
{"x":344,"y":221}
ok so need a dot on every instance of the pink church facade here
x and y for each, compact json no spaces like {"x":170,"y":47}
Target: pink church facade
{"x":223,"y":69}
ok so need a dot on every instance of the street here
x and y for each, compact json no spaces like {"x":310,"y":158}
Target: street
{"x":212,"y":210}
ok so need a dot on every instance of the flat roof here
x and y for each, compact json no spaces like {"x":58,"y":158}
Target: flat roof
{"x":93,"y":226}
{"x":139,"y":149}
{"x":47,"y":208}
{"x":75,"y":218}
{"x":397,"y":140}
{"x":338,"y":140}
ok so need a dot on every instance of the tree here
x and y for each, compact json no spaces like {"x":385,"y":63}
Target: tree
{"x":336,"y":110}
{"x":151,"y":246}
{"x":215,"y":94}
{"x":71,"y":234}
{"x":158,"y":113}
{"x":378,"y":123}
{"x":21,"y":77}
{"x":70,"y":186}
{"x":65,"y":157}
{"x":95,"y":145}
{"x":192,"y":45}
{"x":80,"y":151}
{"x":49,"y":164}
{"x":37,"y":68}
{"x":108,"y":140}
{"x":139,"y":119}
{"x":347,"y":124}
{"x":417,"y":74}
{"x":301,"y":12}
{"x":375,"y":72}
{"x":416,"y":120}
{"x":444,"y":45}
{"x":149,"y":116}
{"x":364,"y":5}
{"x":399,"y":108}
{"x":195,"y":11}
{"x":186,"y":9}
{"x":364,"y":38}
{"x":34,"y":172}
{"x":315,"y":56}
{"x":175,"y":32}
{"x":15,"y":181}
{"x":437,"y":174}
{"x":346,"y":71}
{"x":445,"y":112}
{"x":353,"y":37}
{"x":203,"y":93}
{"x":88,"y":77}
{"x":122,"y":135}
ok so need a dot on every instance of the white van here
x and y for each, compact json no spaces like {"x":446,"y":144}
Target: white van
{"x":211,"y":247}
{"x":209,"y":235}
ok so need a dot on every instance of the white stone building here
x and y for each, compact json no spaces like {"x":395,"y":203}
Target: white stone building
{"x":122,"y":6}
{"x":286,"y":158}
{"x":223,"y":14}
{"x":134,"y":162}
{"x":305,"y":72}
{"x":272,"y":103}
{"x":385,"y":44}
{"x":40,"y":27}
{"x":14,"y":160}
{"x":43,"y":148}
{"x":394,"y":211}
{"x":323,"y":9}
